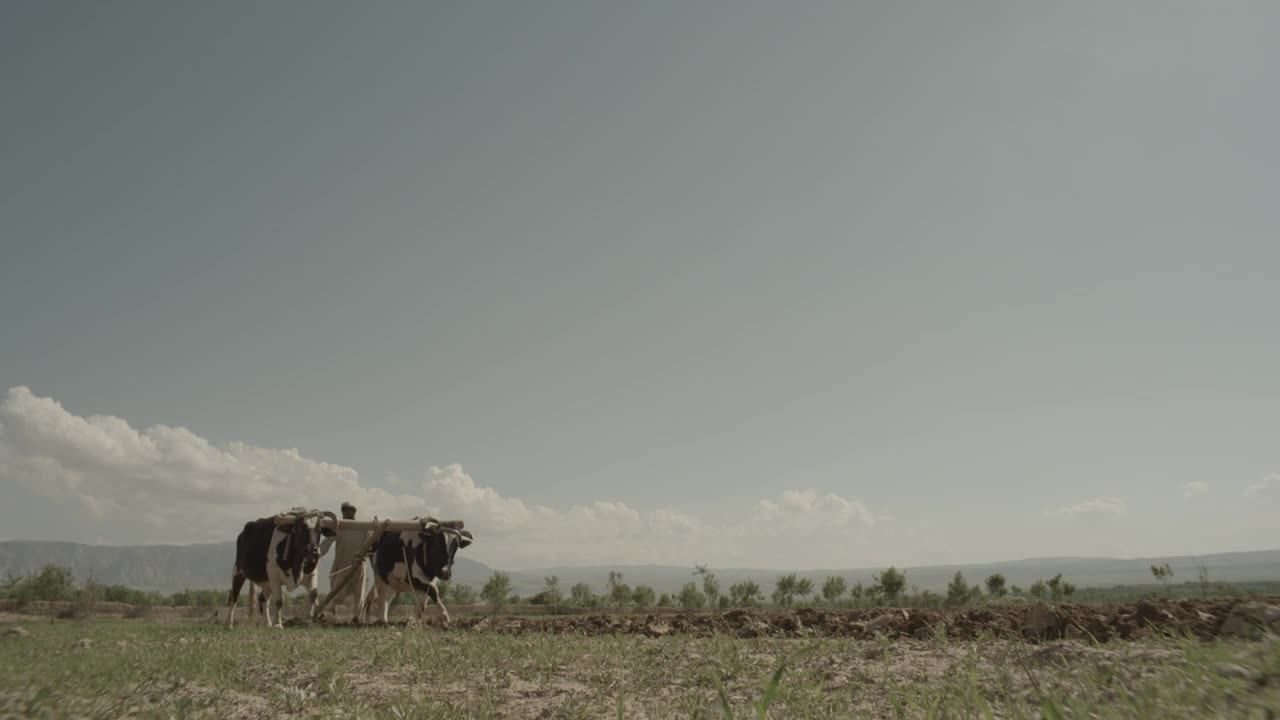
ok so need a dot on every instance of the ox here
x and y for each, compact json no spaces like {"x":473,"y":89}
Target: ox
{"x":415,"y":562}
{"x":276,"y":558}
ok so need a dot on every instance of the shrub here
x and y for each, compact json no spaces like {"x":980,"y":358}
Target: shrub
{"x":691,"y":598}
{"x":804,"y":588}
{"x":745,"y":594}
{"x":619,"y":592}
{"x":1037,"y":590}
{"x":710,"y":586}
{"x":53,"y":582}
{"x":857,"y":592}
{"x":581,"y":596}
{"x":833,"y":588}
{"x":784,"y":589}
{"x":1163,"y":574}
{"x":891,"y":583}
{"x":995,"y":585}
{"x":460,"y":594}
{"x":957,"y":590}
{"x":137,"y":612}
{"x":643,"y":596}
{"x":551,"y":591}
{"x":194,"y":598}
{"x":496,"y":590}
{"x":1059,"y":588}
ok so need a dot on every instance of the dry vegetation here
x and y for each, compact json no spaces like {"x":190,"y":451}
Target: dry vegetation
{"x":695,"y":667}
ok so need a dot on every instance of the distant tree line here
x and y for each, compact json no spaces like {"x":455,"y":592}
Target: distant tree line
{"x":703,"y":591}
{"x":887,"y":589}
{"x":55,"y":582}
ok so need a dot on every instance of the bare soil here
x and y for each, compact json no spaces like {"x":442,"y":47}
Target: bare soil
{"x":1201,"y":619}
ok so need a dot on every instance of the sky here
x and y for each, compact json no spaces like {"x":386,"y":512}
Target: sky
{"x":745,"y":283}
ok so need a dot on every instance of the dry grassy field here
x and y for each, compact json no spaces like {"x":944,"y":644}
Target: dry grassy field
{"x":673,"y":666}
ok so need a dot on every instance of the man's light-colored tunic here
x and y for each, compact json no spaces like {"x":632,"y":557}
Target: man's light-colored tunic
{"x":347,"y":546}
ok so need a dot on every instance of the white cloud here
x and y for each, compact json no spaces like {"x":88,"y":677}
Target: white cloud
{"x":1262,"y":485}
{"x":1195,"y":488}
{"x":166,"y":484}
{"x":807,"y":511}
{"x":1096,"y":506}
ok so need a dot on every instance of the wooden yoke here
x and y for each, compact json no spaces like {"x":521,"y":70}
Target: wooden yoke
{"x":374,"y":530}
{"x":417,"y":525}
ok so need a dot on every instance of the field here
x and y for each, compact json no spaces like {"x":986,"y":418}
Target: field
{"x":987,"y":662}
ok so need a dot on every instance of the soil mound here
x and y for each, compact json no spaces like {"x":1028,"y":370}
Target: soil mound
{"x":1203,"y":619}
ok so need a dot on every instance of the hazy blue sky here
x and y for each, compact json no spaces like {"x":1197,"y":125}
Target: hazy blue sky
{"x":983,"y":279}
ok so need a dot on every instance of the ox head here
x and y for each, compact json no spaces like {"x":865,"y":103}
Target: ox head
{"x":305,"y":533}
{"x":439,"y":542}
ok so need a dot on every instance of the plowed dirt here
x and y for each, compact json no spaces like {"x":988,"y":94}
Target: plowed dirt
{"x":1103,"y":623}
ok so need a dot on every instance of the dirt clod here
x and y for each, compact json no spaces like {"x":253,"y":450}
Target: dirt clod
{"x":1251,"y":620}
{"x":1041,"y":623}
{"x":880,"y":624}
{"x":1034,"y":623}
{"x":657,"y":629}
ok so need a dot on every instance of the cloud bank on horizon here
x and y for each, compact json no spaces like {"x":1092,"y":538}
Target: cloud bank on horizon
{"x":167,"y":484}
{"x":114,"y":484}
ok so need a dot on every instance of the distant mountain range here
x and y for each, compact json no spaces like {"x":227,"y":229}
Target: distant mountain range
{"x":165,"y":568}
{"x":168,"y":568}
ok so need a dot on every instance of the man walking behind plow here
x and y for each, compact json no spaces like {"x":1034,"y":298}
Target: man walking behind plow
{"x":347,"y":560}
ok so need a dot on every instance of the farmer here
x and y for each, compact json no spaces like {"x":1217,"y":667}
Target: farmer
{"x":347,"y":560}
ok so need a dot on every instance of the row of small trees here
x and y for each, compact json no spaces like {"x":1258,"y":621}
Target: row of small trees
{"x":704,"y":591}
{"x":55,"y":582}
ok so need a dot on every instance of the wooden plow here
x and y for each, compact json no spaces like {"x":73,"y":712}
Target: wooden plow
{"x":374,"y":530}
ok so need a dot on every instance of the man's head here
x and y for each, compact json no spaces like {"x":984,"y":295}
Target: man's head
{"x":348,"y":511}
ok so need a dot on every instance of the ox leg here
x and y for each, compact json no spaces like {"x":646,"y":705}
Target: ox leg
{"x":273,"y":605}
{"x":237,"y":582}
{"x":277,"y":599}
{"x":266,"y":606}
{"x":255,"y":606}
{"x":433,"y":592}
{"x":382,"y":596}
{"x":358,"y":598}
{"x":313,"y":596}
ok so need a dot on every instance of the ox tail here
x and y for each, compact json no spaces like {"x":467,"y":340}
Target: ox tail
{"x":237,"y":582}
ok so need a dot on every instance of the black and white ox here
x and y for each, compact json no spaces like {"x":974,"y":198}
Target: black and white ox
{"x":415,"y":562}
{"x":277,"y":557}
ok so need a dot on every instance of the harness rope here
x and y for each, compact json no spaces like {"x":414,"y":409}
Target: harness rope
{"x":408,"y":576}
